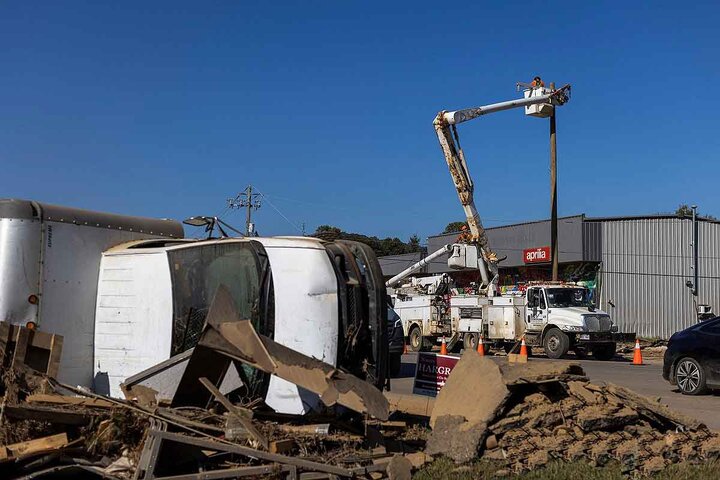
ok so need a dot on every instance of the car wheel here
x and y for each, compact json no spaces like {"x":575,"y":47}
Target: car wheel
{"x":395,"y":364}
{"x":555,"y":343}
{"x":604,"y":352}
{"x":470,"y":341}
{"x":416,"y":340}
{"x":690,"y":376}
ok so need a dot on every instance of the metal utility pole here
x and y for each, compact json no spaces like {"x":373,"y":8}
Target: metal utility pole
{"x":250,"y":201}
{"x":553,"y":195}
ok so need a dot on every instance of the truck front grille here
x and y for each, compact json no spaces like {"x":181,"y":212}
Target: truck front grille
{"x":597,"y":324}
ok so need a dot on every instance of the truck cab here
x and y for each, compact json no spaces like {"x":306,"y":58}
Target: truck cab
{"x":561,"y":317}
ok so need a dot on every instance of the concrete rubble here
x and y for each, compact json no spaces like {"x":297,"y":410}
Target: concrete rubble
{"x":525,"y":416}
{"x":519,"y":417}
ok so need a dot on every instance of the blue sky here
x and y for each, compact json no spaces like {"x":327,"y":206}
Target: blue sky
{"x":168,"y":108}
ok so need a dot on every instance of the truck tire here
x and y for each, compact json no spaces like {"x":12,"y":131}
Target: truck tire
{"x":415,"y":339}
{"x":604,"y":351}
{"x":470,"y":341}
{"x":555,"y":343}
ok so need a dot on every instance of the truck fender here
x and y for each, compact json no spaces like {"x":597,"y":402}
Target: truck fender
{"x":412,"y":324}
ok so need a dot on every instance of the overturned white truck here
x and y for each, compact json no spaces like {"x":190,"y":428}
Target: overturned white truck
{"x":128,"y":292}
{"x":323,"y":299}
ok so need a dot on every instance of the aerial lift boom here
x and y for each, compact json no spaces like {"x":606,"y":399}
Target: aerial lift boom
{"x":445,"y":128}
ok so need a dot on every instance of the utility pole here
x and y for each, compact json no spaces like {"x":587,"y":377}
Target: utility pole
{"x":249,"y":201}
{"x":553,"y":195}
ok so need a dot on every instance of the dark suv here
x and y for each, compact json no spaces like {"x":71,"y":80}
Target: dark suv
{"x":692,"y":359}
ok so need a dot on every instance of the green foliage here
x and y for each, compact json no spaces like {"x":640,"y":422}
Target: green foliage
{"x":684,"y":210}
{"x":381,"y":246}
{"x":453,"y":227}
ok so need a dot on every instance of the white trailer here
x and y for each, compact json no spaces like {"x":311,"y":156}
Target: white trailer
{"x":326,"y":300}
{"x":49,"y":263}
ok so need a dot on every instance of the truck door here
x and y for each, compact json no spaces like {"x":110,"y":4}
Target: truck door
{"x":536,"y":308}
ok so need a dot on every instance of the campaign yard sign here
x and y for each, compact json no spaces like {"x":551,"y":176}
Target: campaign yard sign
{"x":431,"y":372}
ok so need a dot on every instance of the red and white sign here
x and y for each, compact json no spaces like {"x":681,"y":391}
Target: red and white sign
{"x":431,"y":373}
{"x":536,"y":255}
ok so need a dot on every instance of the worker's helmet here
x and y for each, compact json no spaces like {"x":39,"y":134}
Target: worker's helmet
{"x":537,"y":79}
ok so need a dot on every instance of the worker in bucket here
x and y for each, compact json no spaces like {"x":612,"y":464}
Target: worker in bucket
{"x":537,"y":83}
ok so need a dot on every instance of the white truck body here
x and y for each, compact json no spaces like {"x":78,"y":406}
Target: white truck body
{"x":52,"y":253}
{"x":143,"y":299}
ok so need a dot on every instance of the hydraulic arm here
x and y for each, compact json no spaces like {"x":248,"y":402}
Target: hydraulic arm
{"x":445,"y":128}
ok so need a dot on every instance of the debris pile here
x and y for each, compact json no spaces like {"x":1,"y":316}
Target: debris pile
{"x":520,"y":416}
{"x":52,"y":430}
{"x":525,"y":416}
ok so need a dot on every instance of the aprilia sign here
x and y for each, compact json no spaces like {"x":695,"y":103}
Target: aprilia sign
{"x":536,"y":255}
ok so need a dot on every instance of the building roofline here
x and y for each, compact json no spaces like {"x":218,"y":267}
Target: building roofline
{"x":530,"y":222}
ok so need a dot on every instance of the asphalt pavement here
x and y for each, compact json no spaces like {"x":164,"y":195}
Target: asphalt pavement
{"x":644,"y":379}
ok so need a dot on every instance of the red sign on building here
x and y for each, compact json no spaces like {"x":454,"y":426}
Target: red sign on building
{"x":431,"y":373}
{"x":536,"y":255}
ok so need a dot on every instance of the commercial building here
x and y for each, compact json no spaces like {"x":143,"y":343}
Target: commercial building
{"x":642,"y":270}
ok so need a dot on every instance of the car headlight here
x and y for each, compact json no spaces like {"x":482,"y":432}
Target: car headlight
{"x":573,"y":328}
{"x":614,"y":328}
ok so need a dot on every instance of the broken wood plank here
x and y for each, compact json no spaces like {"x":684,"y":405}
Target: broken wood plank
{"x":315,"y":429}
{"x":67,"y":400}
{"x":243,"y":419}
{"x":235,"y":337}
{"x":32,"y":446}
{"x":253,"y":453}
{"x":282,"y":446}
{"x":48,"y":414}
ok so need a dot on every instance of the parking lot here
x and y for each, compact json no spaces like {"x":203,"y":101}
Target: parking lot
{"x":643,"y":379}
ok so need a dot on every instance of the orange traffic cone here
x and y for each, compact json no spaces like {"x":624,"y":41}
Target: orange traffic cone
{"x":637,"y":355}
{"x":481,"y":347}
{"x":523,"y":348}
{"x":443,"y":347}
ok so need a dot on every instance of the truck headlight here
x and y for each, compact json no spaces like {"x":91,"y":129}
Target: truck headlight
{"x":573,"y":328}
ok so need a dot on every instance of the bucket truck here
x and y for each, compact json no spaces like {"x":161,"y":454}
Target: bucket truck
{"x":557,"y":317}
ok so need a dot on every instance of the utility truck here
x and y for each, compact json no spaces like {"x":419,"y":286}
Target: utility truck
{"x":557,"y":317}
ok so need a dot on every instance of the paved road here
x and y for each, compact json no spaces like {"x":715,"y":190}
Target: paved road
{"x":645,"y":379}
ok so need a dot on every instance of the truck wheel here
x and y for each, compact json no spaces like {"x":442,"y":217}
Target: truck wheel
{"x":604,"y":352}
{"x":416,"y":339}
{"x":555,"y":343}
{"x":690,"y":376}
{"x":395,"y":364}
{"x":470,"y":341}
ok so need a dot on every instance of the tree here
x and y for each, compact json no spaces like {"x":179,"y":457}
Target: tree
{"x":414,"y":243}
{"x":685,"y":211}
{"x":453,"y":227}
{"x":381,"y":246}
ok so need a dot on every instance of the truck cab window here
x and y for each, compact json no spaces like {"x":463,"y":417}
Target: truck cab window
{"x":197,"y":272}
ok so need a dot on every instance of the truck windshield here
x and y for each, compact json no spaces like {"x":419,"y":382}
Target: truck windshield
{"x":197,"y":272}
{"x":567,"y":297}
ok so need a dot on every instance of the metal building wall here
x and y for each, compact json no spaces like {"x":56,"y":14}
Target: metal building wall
{"x":645,"y":264}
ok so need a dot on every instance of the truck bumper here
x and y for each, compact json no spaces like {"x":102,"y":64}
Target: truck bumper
{"x":596,"y":337}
